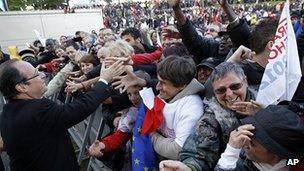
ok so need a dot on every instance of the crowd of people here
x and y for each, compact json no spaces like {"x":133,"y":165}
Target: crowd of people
{"x":141,"y":14}
{"x":179,"y":84}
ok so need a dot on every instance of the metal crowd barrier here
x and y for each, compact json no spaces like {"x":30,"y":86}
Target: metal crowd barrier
{"x":85,"y":133}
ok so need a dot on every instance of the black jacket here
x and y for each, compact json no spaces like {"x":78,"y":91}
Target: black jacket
{"x":35,"y":131}
{"x":202,"y":48}
{"x":45,"y":57}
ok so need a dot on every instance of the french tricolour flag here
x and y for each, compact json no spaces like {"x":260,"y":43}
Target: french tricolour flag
{"x":149,"y":119}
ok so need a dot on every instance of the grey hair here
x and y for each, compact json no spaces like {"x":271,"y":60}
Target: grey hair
{"x":224,"y":68}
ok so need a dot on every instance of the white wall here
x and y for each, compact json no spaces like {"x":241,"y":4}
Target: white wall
{"x":16,"y":28}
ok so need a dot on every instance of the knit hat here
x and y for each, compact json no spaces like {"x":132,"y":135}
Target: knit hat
{"x":279,"y":130}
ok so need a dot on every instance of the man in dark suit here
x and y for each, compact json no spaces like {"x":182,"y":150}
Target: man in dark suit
{"x":34,"y":130}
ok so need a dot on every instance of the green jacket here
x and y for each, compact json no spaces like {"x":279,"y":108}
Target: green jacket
{"x":202,"y":149}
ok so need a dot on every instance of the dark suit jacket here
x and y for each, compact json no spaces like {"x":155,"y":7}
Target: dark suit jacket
{"x":35,"y":131}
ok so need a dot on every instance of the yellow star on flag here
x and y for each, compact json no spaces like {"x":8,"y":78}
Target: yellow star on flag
{"x":136,"y":161}
{"x":146,"y":169}
{"x":138,"y":129}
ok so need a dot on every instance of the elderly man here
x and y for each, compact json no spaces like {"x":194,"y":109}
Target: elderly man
{"x":34,"y":130}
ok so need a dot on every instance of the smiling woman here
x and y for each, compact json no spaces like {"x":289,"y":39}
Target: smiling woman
{"x":202,"y":149}
{"x":229,"y":84}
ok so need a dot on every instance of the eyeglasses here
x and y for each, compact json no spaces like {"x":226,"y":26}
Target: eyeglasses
{"x":37,"y":73}
{"x":233,"y":87}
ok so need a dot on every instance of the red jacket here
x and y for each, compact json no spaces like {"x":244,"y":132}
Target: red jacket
{"x":146,"y":58}
{"x":116,"y":140}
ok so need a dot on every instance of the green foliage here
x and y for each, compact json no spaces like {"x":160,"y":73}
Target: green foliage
{"x":37,"y":4}
{"x":15,"y":4}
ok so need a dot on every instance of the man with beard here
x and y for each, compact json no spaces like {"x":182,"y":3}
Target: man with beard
{"x":133,"y":37}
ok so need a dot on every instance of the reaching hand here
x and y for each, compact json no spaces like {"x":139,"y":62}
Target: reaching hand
{"x":127,"y":81}
{"x":240,"y":136}
{"x":171,"y":165}
{"x":96,"y":148}
{"x":40,"y":67}
{"x":73,"y":87}
{"x":75,"y":73}
{"x":114,"y":70}
{"x":247,"y":108}
{"x":116,"y":121}
{"x":173,"y":3}
{"x":78,"y":80}
{"x":111,"y":60}
{"x":170,"y":33}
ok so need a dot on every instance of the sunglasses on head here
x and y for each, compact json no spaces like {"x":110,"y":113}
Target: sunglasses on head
{"x":233,"y":87}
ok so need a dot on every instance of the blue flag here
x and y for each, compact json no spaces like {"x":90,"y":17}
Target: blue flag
{"x":143,"y":154}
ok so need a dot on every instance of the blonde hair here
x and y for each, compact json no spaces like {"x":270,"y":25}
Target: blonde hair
{"x":121,"y":49}
{"x":103,"y":52}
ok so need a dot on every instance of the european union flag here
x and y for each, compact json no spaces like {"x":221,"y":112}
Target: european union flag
{"x":143,"y":154}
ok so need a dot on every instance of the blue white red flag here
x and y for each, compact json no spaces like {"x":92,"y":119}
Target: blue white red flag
{"x":144,"y":157}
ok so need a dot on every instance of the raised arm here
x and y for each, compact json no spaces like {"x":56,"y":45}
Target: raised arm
{"x":200,"y":47}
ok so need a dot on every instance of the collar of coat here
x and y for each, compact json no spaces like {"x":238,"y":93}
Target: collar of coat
{"x":192,"y":88}
{"x":227,"y":118}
